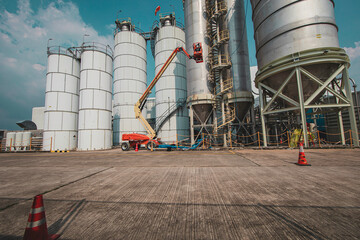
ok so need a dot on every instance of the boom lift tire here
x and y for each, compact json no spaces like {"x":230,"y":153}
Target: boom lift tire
{"x":125,"y":146}
{"x":148,"y":145}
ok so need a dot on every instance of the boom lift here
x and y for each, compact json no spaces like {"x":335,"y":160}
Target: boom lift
{"x":149,"y":140}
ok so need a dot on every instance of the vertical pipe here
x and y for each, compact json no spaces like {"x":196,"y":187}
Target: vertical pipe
{"x":191,"y":113}
{"x":51,"y":144}
{"x":288,"y":138}
{"x":30,"y":143}
{"x":261,"y":98}
{"x":350,"y":139}
{"x":177,"y":142}
{"x":10,"y":144}
{"x":341,"y":125}
{"x":351,"y":108}
{"x":302,"y":107}
{"x":203,"y":145}
{"x":258,"y":134}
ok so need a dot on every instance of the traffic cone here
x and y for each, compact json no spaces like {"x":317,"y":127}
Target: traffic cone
{"x":136,"y":149}
{"x":36,"y":227}
{"x":302,"y":159}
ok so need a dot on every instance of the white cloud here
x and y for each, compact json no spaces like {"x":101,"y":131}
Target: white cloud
{"x":353,"y":52}
{"x":39,"y":67}
{"x":24,"y":36}
{"x":253,"y":71}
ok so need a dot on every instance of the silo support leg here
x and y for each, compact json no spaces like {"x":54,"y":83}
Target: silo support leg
{"x":302,"y":107}
{"x":341,"y":125}
{"x":191,"y":113}
{"x":261,"y":98}
{"x":354,"y":130}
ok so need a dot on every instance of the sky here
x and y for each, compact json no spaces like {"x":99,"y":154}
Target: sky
{"x":27,"y":25}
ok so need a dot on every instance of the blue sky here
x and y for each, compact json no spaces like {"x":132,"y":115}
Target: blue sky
{"x":26,"y":26}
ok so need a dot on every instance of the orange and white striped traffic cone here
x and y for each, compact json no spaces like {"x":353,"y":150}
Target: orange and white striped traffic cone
{"x":136,"y":149}
{"x":302,"y":159}
{"x":36,"y":227}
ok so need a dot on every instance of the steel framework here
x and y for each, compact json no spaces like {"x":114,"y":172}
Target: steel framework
{"x":296,"y":65}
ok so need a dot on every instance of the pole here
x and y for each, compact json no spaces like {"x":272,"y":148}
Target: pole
{"x":51,"y":144}
{"x":177,"y":142}
{"x":263,"y":125}
{"x":350,"y":139}
{"x":203,"y":146}
{"x":258,"y":133}
{"x":287,"y":132}
{"x":10,"y":144}
{"x":319,"y":138}
{"x":30,"y":143}
{"x":352,"y":116}
{"x":302,"y":108}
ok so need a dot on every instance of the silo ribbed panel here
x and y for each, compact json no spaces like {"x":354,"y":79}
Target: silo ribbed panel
{"x":129,"y":82}
{"x":95,"y":101}
{"x":61,"y":103}
{"x":171,"y":89}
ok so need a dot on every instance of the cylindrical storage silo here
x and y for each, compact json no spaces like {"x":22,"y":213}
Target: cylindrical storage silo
{"x":241,"y":95}
{"x":172,"y":116}
{"x":26,"y":140}
{"x":61,"y":100}
{"x":129,"y":79}
{"x":18,"y":140}
{"x":95,"y":105}
{"x":287,"y":27}
{"x":10,"y":141}
{"x":199,"y":91}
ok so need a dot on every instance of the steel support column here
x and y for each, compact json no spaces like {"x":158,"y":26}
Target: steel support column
{"x":263,"y":125}
{"x":354,"y":129}
{"x":191,"y":114}
{"x":302,"y":106}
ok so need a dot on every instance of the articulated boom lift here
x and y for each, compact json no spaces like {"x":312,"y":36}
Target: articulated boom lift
{"x":149,"y":140}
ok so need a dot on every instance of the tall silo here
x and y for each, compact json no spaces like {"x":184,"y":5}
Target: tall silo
{"x":95,"y":105}
{"x":172,"y":116}
{"x":61,"y":100}
{"x":241,"y":95}
{"x":200,"y":97}
{"x":129,"y":78}
{"x":299,"y":58}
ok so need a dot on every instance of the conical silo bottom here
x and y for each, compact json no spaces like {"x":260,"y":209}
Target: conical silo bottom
{"x":202,"y":111}
{"x":241,"y":109}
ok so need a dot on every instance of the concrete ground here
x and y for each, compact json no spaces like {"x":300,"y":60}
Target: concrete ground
{"x":238,"y":194}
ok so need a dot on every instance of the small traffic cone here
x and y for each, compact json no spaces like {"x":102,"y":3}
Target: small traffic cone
{"x":302,"y":159}
{"x":36,"y":227}
{"x":136,"y":149}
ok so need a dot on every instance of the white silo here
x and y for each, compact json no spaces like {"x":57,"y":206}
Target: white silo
{"x":95,"y":97}
{"x":129,"y":79}
{"x":10,"y":141}
{"x":26,"y":140}
{"x":18,"y":140}
{"x":172,"y":116}
{"x":61,"y":100}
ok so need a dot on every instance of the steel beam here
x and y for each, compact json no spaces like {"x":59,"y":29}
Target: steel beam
{"x":324,"y":85}
{"x":263,"y":125}
{"x":354,"y":129}
{"x":302,"y":106}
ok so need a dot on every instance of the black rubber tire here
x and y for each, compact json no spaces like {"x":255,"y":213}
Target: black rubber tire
{"x":125,"y":146}
{"x":148,"y":145}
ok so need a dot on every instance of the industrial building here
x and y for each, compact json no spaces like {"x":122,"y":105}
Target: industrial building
{"x":302,"y":74}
